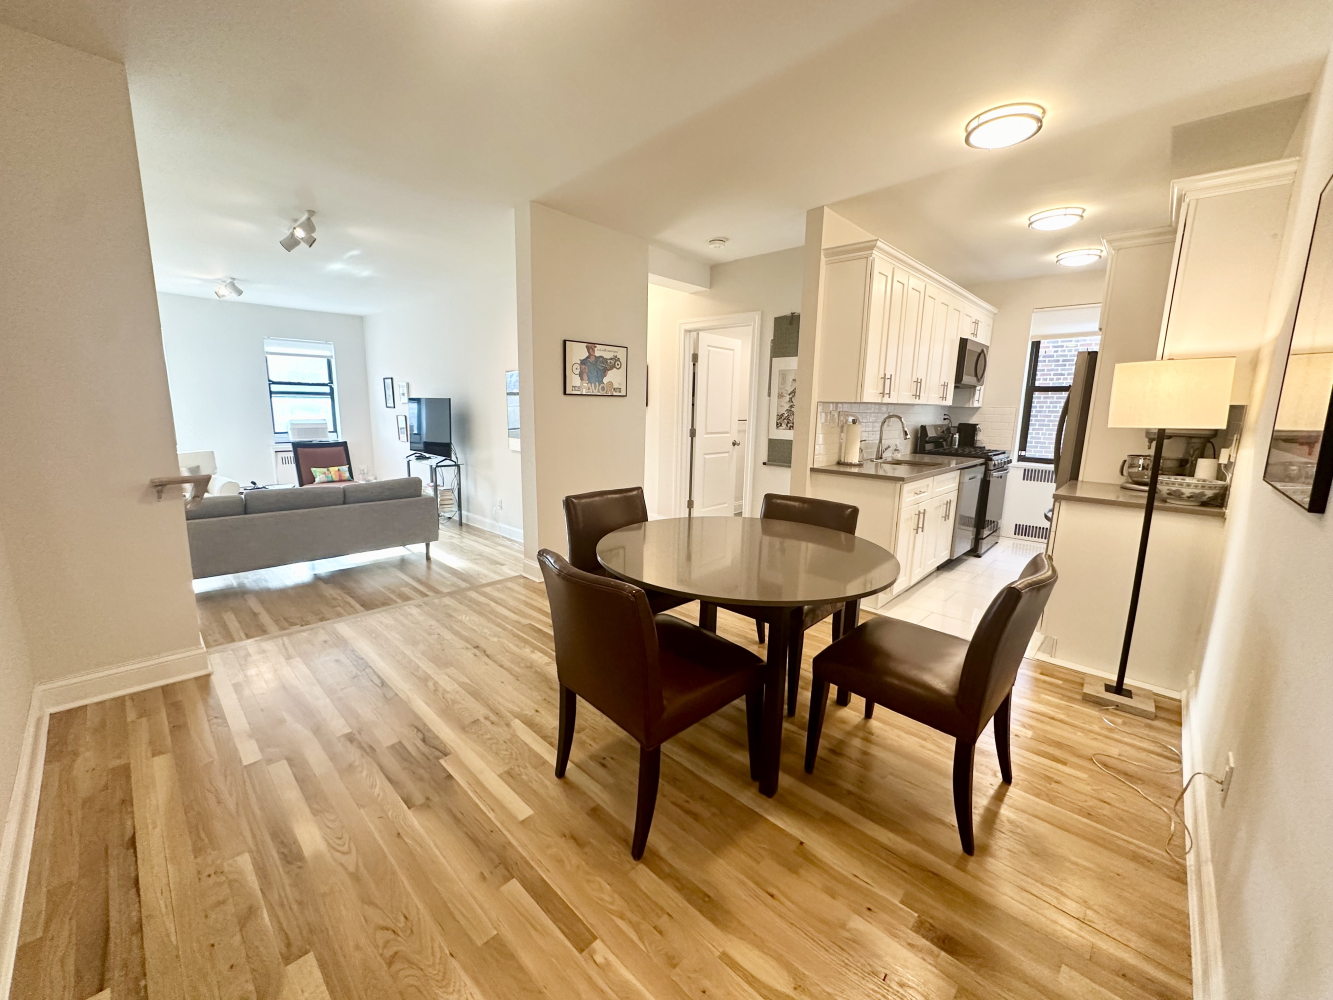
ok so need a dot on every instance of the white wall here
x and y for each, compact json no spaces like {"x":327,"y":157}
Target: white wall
{"x":100,"y":567}
{"x":1264,"y":691}
{"x":458,"y":344}
{"x":769,"y":284}
{"x":15,"y":683}
{"x":1136,"y":281}
{"x":576,"y":281}
{"x":219,"y":384}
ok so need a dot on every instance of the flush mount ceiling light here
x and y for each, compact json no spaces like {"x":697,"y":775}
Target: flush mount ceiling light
{"x":228,"y":290}
{"x":1056,"y":218}
{"x":1004,"y":126}
{"x":1079,"y":258}
{"x":302,"y":231}
{"x":718,"y":242}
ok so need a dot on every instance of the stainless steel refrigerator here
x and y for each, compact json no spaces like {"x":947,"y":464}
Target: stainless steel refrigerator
{"x":1072,"y":429}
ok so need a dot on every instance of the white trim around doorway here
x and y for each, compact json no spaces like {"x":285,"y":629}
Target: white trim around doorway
{"x":686,"y":328}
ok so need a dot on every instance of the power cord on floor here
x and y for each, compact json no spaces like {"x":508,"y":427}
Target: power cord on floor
{"x":1173,"y":814}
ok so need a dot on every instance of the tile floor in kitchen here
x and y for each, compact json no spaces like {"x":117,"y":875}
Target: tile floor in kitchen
{"x":954,"y":598}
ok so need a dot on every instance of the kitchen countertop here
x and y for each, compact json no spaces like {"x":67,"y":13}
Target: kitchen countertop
{"x":1110,"y":494}
{"x":923,"y":467}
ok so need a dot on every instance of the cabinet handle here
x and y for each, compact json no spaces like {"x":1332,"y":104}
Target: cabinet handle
{"x":888,"y":385}
{"x":943,"y":393}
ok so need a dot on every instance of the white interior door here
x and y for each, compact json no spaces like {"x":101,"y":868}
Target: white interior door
{"x":717,"y":403}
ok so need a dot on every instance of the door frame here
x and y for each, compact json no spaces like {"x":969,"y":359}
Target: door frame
{"x":685,"y":331}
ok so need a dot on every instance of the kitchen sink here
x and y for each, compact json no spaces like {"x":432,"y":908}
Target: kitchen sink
{"x":904,"y":461}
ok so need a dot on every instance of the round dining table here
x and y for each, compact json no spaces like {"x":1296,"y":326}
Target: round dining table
{"x":775,"y":568}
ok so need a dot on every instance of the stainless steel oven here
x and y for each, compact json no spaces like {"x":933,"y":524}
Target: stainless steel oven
{"x":971,"y":363}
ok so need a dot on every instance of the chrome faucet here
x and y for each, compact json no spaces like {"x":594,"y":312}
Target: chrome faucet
{"x":879,"y":450}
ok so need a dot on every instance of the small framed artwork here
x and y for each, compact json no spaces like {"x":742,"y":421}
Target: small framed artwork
{"x":388,"y":393}
{"x":402,"y":393}
{"x":595,"y":369}
{"x":402,"y":427}
{"x":782,"y":402}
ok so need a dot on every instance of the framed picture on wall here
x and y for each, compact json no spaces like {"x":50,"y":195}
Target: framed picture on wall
{"x":388,"y":393}
{"x":402,"y":393}
{"x":595,"y":369}
{"x":782,"y":400}
{"x":402,"y":427}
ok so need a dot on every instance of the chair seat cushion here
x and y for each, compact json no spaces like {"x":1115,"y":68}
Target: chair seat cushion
{"x":701,"y":673}
{"x":904,"y":667}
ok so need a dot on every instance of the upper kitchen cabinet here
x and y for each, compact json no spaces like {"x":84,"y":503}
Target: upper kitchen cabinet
{"x":1228,"y":231}
{"x":890,"y":327}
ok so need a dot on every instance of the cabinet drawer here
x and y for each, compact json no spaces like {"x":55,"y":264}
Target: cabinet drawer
{"x":913,"y":492}
{"x":943,"y":484}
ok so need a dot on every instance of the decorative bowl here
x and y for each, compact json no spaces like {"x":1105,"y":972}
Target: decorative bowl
{"x":1188,"y":491}
{"x":1138,"y":468}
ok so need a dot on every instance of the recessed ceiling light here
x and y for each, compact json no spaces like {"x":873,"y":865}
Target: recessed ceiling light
{"x":1056,"y":218}
{"x":1079,"y":258}
{"x":718,"y":242}
{"x":1004,"y":126}
{"x":228,"y":290}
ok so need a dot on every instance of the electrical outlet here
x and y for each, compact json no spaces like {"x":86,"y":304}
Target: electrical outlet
{"x":1227,"y":774}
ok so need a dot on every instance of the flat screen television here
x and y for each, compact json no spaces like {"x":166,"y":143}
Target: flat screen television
{"x":430,"y":426}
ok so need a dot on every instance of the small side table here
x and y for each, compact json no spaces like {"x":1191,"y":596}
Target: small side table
{"x":446,"y":474}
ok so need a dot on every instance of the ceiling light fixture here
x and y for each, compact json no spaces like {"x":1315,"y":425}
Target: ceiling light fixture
{"x":1079,"y":258}
{"x":718,"y":242}
{"x":1004,"y":126}
{"x":302,"y":231}
{"x":1056,"y":218}
{"x":228,"y":290}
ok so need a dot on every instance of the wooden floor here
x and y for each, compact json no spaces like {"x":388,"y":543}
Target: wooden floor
{"x":366,"y":809}
{"x":269,"y":601}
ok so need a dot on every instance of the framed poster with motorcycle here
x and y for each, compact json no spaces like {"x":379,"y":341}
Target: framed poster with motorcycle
{"x":595,"y":369}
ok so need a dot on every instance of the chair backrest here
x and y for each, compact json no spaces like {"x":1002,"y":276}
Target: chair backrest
{"x":1001,"y":639}
{"x":591,"y":516}
{"x":321,"y":455}
{"x":605,"y":643}
{"x":808,"y":510}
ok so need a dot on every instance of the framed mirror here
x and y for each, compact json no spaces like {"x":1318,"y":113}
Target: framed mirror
{"x":1299,"y":466}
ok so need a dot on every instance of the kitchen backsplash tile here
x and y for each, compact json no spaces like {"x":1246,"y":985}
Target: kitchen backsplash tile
{"x":870,"y":414}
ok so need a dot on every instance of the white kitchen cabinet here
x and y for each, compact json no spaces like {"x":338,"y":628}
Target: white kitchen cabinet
{"x":900,"y":320}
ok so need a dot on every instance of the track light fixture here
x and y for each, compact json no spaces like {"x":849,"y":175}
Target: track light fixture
{"x":302,"y":231}
{"x":228,"y":290}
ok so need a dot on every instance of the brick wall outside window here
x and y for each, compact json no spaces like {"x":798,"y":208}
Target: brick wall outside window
{"x":1055,"y":366}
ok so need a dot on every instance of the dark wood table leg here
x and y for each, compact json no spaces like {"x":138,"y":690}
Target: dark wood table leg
{"x":708,"y":616}
{"x":850,"y":611}
{"x":775,"y":694}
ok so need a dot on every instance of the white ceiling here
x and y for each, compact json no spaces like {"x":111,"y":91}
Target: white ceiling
{"x":414,"y":127}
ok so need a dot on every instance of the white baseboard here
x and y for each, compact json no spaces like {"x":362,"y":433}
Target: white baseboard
{"x":1205,"y":932}
{"x":495,"y":527}
{"x":1165,"y":692}
{"x":21,"y":818}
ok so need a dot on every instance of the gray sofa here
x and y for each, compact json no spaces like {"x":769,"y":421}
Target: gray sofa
{"x":263,"y":528}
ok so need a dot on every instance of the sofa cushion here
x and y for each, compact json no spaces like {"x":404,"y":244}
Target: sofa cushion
{"x":296,"y":498}
{"x":388,"y":489}
{"x":227,"y":506}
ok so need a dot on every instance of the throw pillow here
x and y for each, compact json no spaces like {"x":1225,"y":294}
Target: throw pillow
{"x":333,"y":474}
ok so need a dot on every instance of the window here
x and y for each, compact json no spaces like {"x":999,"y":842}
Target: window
{"x":301,"y":384}
{"x":1050,"y":373}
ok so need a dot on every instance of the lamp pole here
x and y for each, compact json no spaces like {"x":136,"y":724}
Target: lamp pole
{"x":1119,"y":688}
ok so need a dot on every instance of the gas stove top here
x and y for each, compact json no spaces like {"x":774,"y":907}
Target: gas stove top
{"x":996,"y":458}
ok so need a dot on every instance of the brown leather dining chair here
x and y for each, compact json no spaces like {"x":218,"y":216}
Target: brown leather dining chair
{"x":591,"y":516}
{"x":947,"y":683}
{"x":652,"y":676}
{"x":822,"y":514}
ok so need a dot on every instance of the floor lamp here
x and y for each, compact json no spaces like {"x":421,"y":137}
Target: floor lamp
{"x":1192,"y":393}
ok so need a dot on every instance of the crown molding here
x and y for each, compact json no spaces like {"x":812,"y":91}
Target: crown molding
{"x":877,"y":247}
{"x":1138,"y":238}
{"x":1256,"y":175}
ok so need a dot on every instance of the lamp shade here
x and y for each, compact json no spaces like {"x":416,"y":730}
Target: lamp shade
{"x":1184,"y":393}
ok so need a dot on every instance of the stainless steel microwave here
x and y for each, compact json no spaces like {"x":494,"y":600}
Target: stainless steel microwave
{"x":971,"y":362}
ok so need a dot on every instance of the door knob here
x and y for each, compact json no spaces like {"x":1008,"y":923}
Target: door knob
{"x":735,"y":443}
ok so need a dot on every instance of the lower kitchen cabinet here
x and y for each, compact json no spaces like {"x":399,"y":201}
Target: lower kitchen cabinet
{"x":915,"y":521}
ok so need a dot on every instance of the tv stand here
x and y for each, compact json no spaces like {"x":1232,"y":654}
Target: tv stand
{"x":447,"y":474}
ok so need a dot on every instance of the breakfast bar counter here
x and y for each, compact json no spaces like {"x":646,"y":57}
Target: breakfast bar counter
{"x":1113,"y":494}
